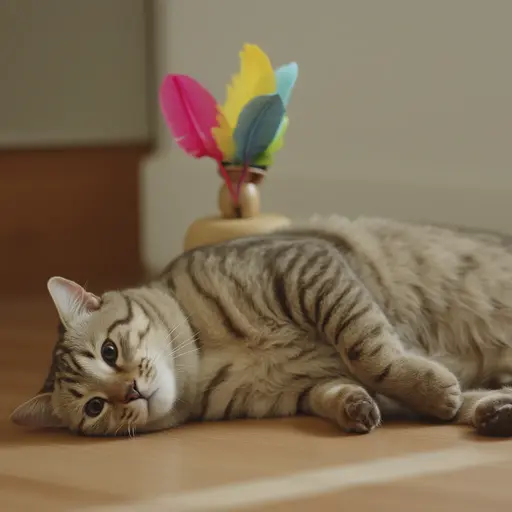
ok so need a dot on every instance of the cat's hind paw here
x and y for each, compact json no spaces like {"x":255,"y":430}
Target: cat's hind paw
{"x":359,"y":413}
{"x":493,"y":416}
{"x":434,"y":390}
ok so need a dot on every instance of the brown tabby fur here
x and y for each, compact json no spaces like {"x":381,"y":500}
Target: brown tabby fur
{"x":346,"y":320}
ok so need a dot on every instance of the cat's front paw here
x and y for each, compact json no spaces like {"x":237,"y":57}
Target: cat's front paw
{"x":449,"y":399}
{"x":359,"y":413}
{"x":493,"y":416}
{"x":438,"y":393}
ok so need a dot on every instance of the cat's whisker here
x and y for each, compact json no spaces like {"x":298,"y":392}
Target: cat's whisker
{"x":121,"y":425}
{"x":183,"y":344}
{"x":191,"y":337}
{"x":175,"y":352}
{"x":171,"y":350}
{"x":177,"y":326}
{"x":188,"y":341}
{"x":132,"y":430}
{"x":186,"y":353}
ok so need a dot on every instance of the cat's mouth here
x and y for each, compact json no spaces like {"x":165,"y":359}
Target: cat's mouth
{"x":136,"y":394}
{"x":133,"y":393}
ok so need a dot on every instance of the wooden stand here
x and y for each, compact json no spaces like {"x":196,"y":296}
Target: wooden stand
{"x":235,"y":221}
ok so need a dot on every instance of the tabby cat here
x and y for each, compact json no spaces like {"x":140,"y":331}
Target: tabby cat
{"x":347,"y":320}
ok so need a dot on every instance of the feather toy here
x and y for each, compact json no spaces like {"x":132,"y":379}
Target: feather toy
{"x":191,"y":112}
{"x":286,"y":76}
{"x":267,"y":157}
{"x":223,"y":135}
{"x":257,"y":126}
{"x":248,"y":130}
{"x":244,"y":87}
{"x":256,"y":78}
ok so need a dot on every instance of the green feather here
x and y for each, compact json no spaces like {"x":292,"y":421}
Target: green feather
{"x":267,"y":157}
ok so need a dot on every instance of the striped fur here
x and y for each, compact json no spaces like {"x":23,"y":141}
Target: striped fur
{"x":343,"y":319}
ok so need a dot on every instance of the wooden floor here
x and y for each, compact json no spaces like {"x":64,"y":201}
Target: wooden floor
{"x":292,"y":465}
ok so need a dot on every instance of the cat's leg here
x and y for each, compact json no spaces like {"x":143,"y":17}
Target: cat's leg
{"x":343,"y":401}
{"x":343,"y":310}
{"x":489,"y":411}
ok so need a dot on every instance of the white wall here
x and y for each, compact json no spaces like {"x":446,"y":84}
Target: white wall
{"x":402,"y":108}
{"x":72,"y":72}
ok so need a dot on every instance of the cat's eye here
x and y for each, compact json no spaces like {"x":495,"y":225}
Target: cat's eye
{"x":94,"y":407}
{"x":109,"y":352}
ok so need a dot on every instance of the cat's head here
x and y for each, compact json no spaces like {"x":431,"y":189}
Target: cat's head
{"x":114,"y":365}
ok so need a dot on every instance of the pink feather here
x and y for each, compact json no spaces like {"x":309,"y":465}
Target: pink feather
{"x":190,"y":112}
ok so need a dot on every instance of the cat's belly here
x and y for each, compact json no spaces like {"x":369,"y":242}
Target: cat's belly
{"x":242,"y":382}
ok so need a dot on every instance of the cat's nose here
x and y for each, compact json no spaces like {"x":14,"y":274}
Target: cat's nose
{"x":132,"y":392}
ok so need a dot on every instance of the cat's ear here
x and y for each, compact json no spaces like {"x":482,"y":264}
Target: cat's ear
{"x":37,"y":413}
{"x":71,"y":300}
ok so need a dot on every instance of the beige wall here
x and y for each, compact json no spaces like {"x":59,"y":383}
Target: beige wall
{"x":72,"y":72}
{"x":402,"y":108}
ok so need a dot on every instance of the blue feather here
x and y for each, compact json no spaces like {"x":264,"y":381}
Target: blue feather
{"x":257,"y":126}
{"x":286,"y":76}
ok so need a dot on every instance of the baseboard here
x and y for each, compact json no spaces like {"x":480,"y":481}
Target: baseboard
{"x":72,"y":212}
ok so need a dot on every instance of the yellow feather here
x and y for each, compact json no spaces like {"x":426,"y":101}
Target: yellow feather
{"x":223,"y":135}
{"x":256,"y":77}
{"x":267,"y":157}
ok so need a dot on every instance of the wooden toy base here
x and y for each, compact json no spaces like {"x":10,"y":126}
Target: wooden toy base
{"x":215,"y":229}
